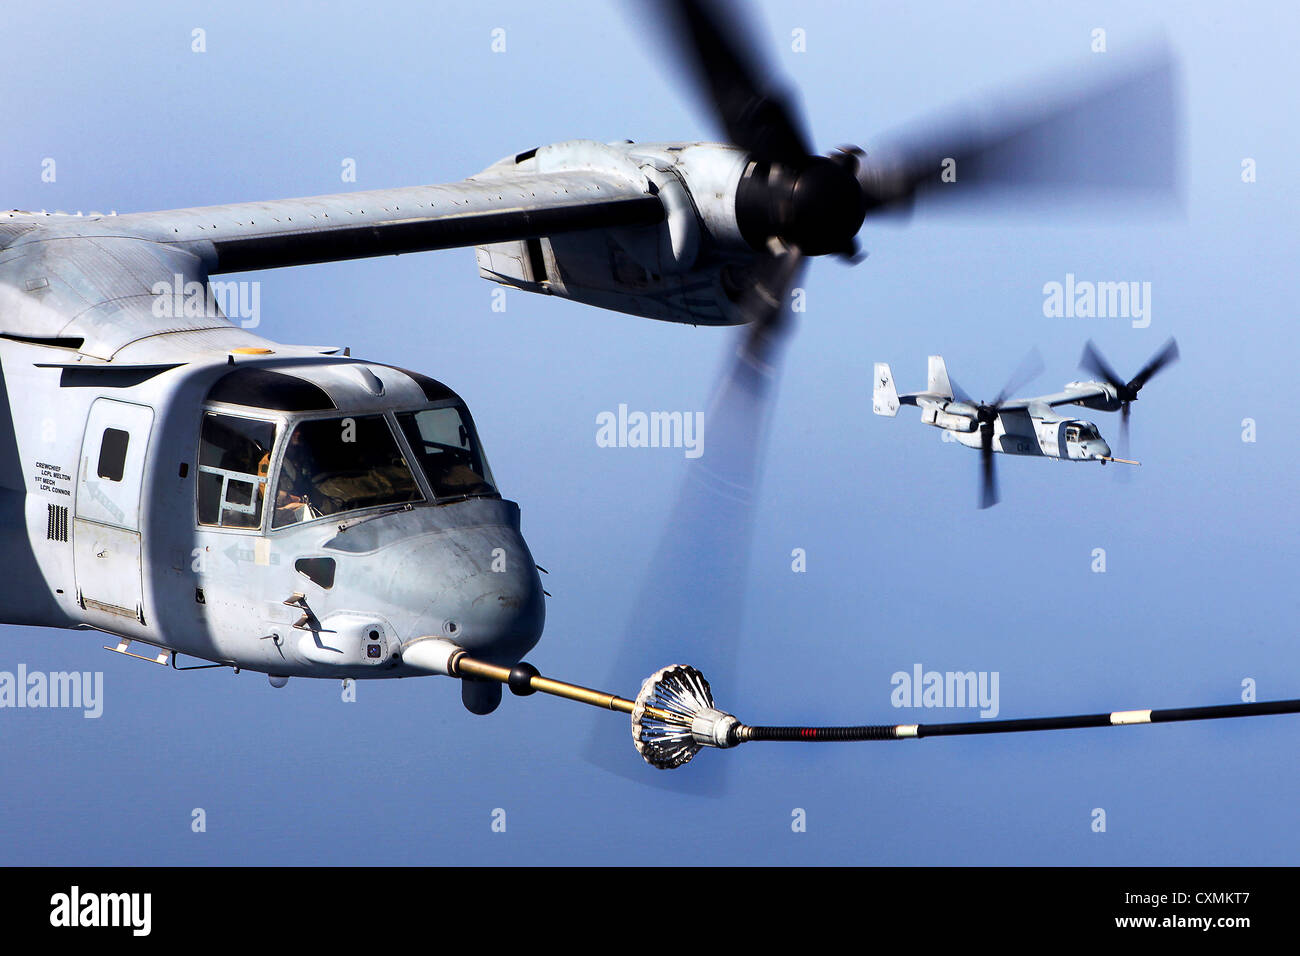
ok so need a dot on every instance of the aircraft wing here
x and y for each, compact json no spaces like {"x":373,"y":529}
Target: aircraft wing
{"x":288,"y":232}
{"x":1070,"y":396}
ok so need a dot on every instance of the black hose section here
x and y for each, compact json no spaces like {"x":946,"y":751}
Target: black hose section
{"x":1253,"y":709}
{"x":1018,"y":725}
{"x":864,"y":732}
{"x":1014,"y":726}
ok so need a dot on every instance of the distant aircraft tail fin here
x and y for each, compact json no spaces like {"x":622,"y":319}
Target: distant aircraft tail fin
{"x":884,"y":396}
{"x":939,"y":384}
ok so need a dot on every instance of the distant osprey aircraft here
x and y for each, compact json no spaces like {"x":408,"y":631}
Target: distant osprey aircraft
{"x":1026,"y":426}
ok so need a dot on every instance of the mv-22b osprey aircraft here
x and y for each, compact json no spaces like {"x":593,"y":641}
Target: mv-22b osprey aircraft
{"x":185,"y":485}
{"x":1025,"y":426}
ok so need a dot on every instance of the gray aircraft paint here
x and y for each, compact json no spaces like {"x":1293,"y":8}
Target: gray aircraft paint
{"x":84,"y":345}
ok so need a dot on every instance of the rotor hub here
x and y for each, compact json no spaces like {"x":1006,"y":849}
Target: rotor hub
{"x":816,"y":206}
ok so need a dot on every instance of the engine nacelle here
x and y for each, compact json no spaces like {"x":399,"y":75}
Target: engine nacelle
{"x":1109,"y":402}
{"x":932,"y":415}
{"x":690,"y":268}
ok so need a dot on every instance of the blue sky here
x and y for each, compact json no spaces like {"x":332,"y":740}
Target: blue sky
{"x":902,"y":569}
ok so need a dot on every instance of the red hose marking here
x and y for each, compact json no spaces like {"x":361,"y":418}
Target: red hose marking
{"x":808,"y":732}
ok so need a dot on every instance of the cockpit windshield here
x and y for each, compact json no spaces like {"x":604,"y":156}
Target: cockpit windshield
{"x":335,"y":465}
{"x":447,"y":449}
{"x":1083,"y":431}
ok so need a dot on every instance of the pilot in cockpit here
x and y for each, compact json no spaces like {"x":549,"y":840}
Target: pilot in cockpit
{"x":293,"y":492}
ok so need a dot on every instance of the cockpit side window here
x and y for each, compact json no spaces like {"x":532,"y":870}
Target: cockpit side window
{"x":335,"y":465}
{"x":234,"y":458}
{"x":447,"y":449}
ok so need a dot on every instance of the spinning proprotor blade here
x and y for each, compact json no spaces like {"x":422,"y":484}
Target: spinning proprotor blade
{"x":1030,"y":367}
{"x":1126,"y":393}
{"x":1116,"y":136}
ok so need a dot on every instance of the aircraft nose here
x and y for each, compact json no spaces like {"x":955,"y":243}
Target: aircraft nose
{"x":497,"y":613}
{"x":476,"y":587}
{"x":1101,"y":450}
